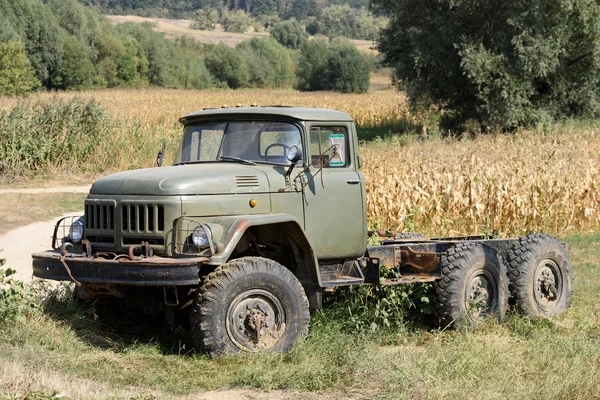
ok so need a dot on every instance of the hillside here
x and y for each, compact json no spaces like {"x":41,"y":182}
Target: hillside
{"x":173,"y":28}
{"x":299,"y":9}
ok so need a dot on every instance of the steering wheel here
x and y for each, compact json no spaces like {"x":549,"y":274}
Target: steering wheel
{"x":285,"y":147}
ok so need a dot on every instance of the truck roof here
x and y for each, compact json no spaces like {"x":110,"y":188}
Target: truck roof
{"x":300,"y":113}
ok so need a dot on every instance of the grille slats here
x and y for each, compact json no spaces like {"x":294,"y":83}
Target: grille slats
{"x":99,"y":217}
{"x":247,"y":181}
{"x":142,"y":218}
{"x":106,"y":220}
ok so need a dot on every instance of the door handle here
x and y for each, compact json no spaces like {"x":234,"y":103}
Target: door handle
{"x":353,"y":182}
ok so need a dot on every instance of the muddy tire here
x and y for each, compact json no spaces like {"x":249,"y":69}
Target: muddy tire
{"x":249,"y":304}
{"x":541,"y":276}
{"x":409,"y":236}
{"x":473,"y":286}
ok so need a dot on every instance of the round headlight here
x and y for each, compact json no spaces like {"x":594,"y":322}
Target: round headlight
{"x":200,"y":236}
{"x":76,"y":231}
{"x":292,"y":153}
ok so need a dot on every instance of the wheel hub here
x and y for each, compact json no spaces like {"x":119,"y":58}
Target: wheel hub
{"x":255,"y":320}
{"x":480,"y":295}
{"x":548,"y":284}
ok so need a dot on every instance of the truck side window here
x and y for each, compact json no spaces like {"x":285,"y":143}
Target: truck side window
{"x":333,"y":151}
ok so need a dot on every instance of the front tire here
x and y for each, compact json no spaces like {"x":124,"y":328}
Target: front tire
{"x":249,"y":304}
{"x":540,"y":275}
{"x":473,"y":286}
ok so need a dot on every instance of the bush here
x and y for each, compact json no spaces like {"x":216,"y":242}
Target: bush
{"x":16,"y":299}
{"x":374,"y":308}
{"x":269,"y":63}
{"x":511,"y":66}
{"x":289,"y":33}
{"x":341,"y":68}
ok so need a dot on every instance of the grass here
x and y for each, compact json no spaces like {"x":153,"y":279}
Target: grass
{"x":65,"y":351}
{"x":23,"y":209}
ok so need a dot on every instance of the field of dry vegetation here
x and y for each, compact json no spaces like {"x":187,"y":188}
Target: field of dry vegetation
{"x":543,"y":180}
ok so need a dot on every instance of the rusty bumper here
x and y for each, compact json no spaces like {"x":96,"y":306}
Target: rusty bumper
{"x":147,"y":271}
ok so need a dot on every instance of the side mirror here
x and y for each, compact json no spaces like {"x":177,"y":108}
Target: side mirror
{"x":161,"y":154}
{"x":294,"y":154}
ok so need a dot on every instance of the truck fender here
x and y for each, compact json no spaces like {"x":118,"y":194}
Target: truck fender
{"x":236,"y":226}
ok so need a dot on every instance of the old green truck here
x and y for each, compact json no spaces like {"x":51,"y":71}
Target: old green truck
{"x":262,"y":212}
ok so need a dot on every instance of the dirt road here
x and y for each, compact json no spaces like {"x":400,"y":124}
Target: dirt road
{"x":17,"y":245}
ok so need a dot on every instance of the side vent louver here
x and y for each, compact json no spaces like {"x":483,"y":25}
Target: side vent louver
{"x":247,"y":181}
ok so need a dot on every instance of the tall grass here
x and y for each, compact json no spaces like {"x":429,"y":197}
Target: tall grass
{"x":62,"y":134}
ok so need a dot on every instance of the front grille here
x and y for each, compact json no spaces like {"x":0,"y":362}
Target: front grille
{"x":100,"y":217}
{"x":142,"y":218}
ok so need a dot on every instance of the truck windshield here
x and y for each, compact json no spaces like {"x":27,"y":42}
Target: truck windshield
{"x":262,"y":142}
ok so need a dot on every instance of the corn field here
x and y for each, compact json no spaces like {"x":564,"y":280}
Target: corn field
{"x":543,"y":180}
{"x":513,"y":184}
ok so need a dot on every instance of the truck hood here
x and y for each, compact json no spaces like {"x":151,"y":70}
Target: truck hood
{"x":192,"y":179}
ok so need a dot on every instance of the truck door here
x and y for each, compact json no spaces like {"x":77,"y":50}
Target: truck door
{"x":334,"y":193}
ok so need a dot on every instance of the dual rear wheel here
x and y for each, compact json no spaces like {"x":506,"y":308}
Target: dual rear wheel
{"x":476,"y":284}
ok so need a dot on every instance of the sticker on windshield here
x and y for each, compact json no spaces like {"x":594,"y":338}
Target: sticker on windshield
{"x":337,"y":150}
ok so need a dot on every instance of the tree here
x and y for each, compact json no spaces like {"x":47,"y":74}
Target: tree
{"x":76,"y":70}
{"x":507,"y":64}
{"x":338,"y":67}
{"x":312,"y":65}
{"x":227,"y":65}
{"x":347,"y":71}
{"x":263,"y":7}
{"x":302,"y":9}
{"x":38,"y":29}
{"x":269,"y":63}
{"x":205,"y":19}
{"x":17,"y":76}
{"x":236,"y":21}
{"x":289,"y":33}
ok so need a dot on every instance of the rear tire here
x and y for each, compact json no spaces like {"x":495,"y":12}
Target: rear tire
{"x":473,"y":286}
{"x":249,"y":304}
{"x":541,"y":276}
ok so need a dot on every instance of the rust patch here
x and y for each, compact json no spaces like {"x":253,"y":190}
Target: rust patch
{"x":420,"y":261}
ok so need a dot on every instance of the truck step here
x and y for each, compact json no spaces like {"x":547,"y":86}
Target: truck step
{"x":338,"y":274}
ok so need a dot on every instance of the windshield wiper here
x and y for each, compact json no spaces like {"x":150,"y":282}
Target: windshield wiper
{"x":231,"y":158}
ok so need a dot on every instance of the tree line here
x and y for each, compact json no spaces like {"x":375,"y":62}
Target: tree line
{"x":332,"y":21}
{"x":284,"y":9}
{"x":63,"y":45}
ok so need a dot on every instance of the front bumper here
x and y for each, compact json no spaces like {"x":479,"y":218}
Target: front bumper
{"x":147,"y":271}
